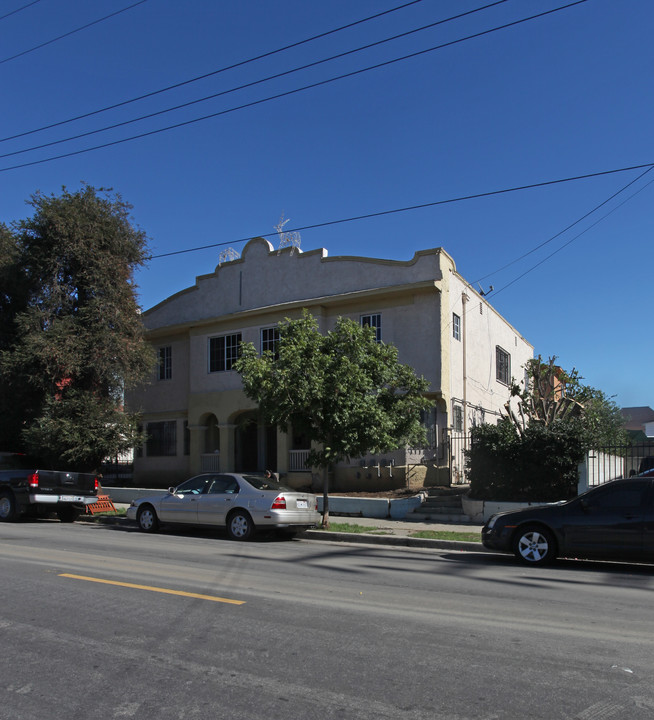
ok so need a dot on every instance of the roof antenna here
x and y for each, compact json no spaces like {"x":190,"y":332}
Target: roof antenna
{"x":227,"y":256}
{"x":287,"y":239}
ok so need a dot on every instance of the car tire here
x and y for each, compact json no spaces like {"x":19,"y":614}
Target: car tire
{"x":67,"y":514}
{"x":239,"y":525}
{"x":147,"y":519}
{"x":534,"y":545}
{"x":8,"y":511}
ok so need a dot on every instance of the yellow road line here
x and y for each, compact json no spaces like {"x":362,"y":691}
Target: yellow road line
{"x":167,"y":591}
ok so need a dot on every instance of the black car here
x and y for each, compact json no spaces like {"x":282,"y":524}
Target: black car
{"x":614,"y":521}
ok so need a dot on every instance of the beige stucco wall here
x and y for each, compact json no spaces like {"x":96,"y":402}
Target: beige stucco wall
{"x":473,"y":378}
{"x":415,"y":298}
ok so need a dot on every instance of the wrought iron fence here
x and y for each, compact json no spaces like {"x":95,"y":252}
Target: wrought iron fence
{"x":619,"y":461}
{"x":458,"y":443}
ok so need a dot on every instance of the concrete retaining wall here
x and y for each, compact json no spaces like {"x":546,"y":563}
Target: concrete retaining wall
{"x":354,"y":507}
{"x":481,"y":510}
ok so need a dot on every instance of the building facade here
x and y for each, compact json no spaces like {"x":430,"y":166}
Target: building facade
{"x":197,"y":417}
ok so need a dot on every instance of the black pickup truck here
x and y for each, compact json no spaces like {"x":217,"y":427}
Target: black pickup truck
{"x":24,"y":489}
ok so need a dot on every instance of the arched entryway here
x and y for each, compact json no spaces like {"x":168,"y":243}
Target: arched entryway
{"x":255,"y":444}
{"x":209,"y":443}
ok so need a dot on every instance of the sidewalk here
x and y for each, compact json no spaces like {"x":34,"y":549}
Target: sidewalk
{"x":385,"y":531}
{"x":382,"y":531}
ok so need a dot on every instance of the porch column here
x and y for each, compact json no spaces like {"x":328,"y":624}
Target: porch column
{"x":197,"y":445}
{"x":227,"y":447}
{"x":283,"y":449}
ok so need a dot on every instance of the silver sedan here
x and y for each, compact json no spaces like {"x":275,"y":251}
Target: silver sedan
{"x":240,"y":503}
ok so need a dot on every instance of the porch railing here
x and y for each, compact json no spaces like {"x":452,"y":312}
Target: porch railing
{"x":210,"y":462}
{"x":609,"y":463}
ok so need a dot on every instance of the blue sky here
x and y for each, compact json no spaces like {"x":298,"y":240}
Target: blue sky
{"x":563,"y":95}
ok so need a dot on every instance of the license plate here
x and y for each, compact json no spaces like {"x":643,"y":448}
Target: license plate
{"x":69,"y":498}
{"x":302,"y":504}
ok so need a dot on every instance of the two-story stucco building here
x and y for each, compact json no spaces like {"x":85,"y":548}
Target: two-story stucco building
{"x":198,"y":418}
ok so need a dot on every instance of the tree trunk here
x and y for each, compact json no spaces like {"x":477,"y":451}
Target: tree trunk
{"x":325,"y":499}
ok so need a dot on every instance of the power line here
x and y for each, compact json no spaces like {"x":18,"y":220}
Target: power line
{"x":410,"y":208}
{"x":71,"y":32}
{"x":565,"y":230}
{"x":17,"y":10}
{"x":583,"y":232}
{"x":213,"y":72}
{"x":292,"y":92}
{"x":250,"y":84}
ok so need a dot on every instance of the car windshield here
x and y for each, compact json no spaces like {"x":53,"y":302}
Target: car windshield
{"x":259,"y":482}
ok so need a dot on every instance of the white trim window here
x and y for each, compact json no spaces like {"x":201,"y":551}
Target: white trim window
{"x":373,"y":321}
{"x":456,"y":326}
{"x":224,"y":351}
{"x":270,"y":340}
{"x":502,"y":365}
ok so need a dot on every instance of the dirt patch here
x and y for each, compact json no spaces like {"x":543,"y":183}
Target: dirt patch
{"x":398,"y":493}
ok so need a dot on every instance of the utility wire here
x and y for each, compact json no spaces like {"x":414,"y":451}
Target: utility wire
{"x":291,"y":92}
{"x":583,"y":232}
{"x":17,"y":10}
{"x":415,"y":207}
{"x":213,"y":72}
{"x":72,"y":32}
{"x":565,"y":230}
{"x":248,"y":85}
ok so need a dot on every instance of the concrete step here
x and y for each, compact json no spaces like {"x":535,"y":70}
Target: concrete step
{"x":453,"y":490}
{"x":443,"y":504}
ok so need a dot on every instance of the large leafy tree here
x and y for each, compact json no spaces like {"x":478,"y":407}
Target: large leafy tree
{"x":73,"y":339}
{"x":346,"y":391}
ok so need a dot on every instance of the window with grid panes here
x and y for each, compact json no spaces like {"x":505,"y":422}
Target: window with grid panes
{"x":162,"y":438}
{"x":269,"y":340}
{"x":374,"y":322}
{"x":223,"y":352}
{"x":456,"y":326}
{"x":502,"y":365}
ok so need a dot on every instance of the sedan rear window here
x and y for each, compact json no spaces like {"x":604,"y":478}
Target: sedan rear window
{"x":263,"y":483}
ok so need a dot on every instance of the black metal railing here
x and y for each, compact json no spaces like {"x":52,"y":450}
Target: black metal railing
{"x":618,"y":461}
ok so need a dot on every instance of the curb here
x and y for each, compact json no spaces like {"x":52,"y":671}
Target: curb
{"x":394,"y":540}
{"x":329,"y":536}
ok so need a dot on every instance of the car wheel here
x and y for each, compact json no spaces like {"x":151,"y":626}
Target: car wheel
{"x":534,"y":545}
{"x":7,"y":506}
{"x":239,"y":525}
{"x":67,"y":514}
{"x":147,"y":519}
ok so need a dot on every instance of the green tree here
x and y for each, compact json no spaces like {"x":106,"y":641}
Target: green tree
{"x":346,"y":391}
{"x":533,"y":453}
{"x":75,"y":339}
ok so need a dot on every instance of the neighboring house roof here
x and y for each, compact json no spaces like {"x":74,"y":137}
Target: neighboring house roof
{"x":636,"y":418}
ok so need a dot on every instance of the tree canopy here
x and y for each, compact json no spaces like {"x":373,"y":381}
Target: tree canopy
{"x":553,"y":395}
{"x":347,"y":392}
{"x":72,"y":337}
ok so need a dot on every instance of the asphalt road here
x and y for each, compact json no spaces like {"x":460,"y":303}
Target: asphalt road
{"x":188,"y":624}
